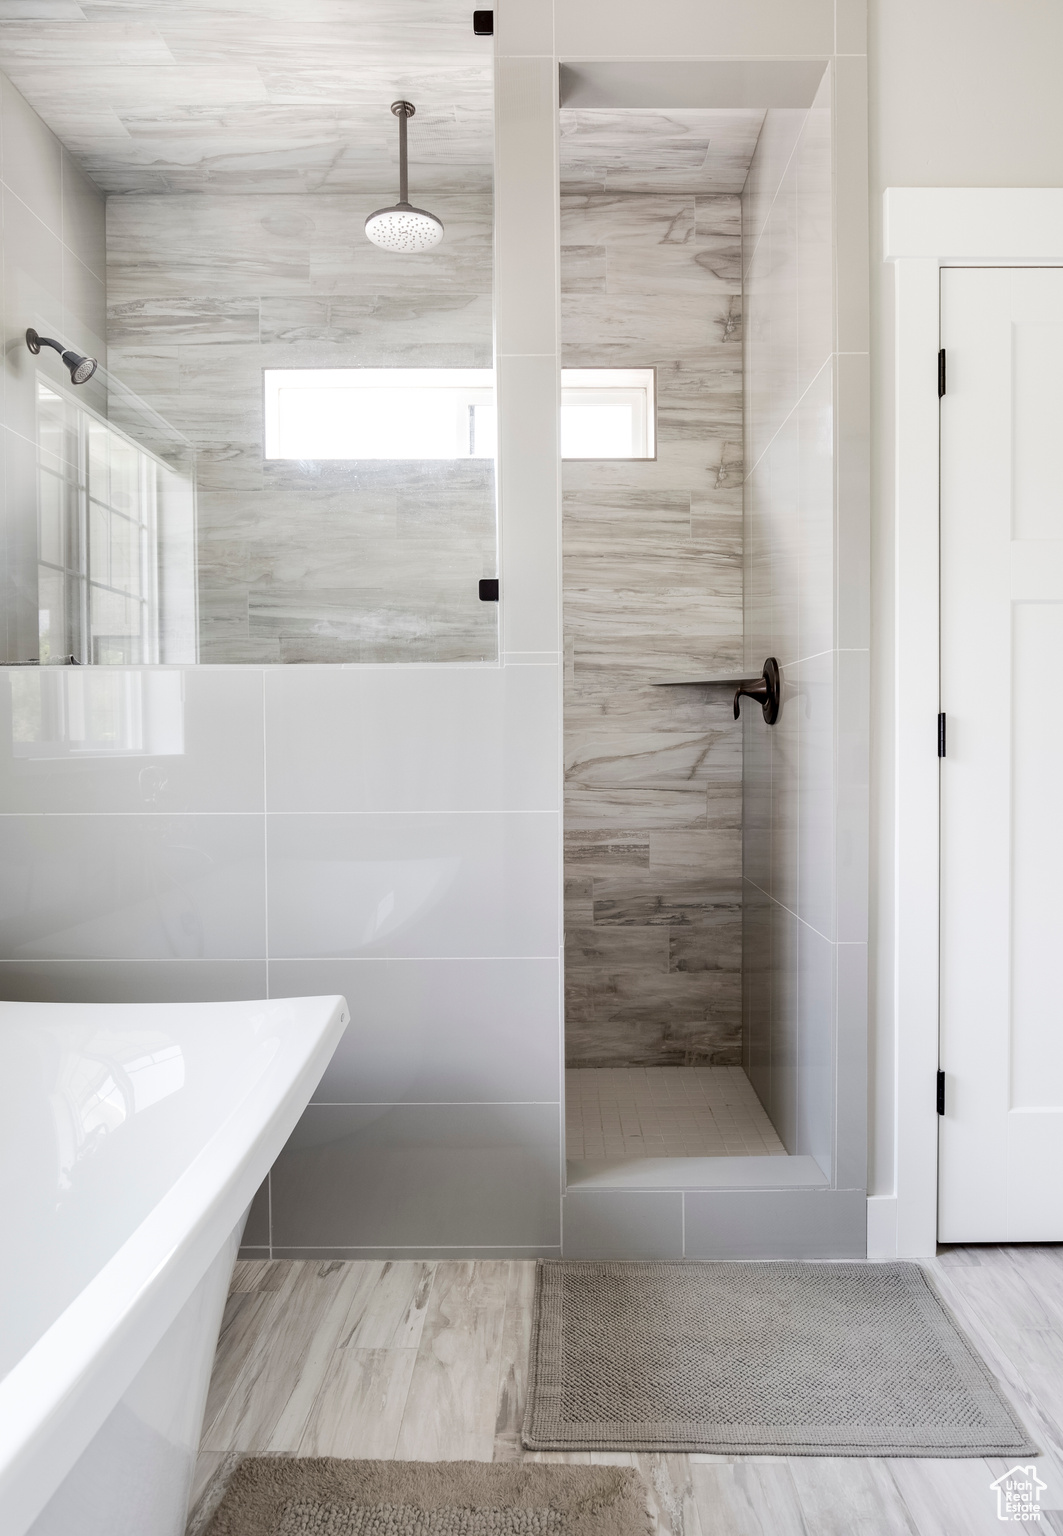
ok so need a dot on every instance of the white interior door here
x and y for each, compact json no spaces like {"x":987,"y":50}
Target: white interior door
{"x":1001,"y":1137}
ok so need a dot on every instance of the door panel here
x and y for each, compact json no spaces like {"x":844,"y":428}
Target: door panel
{"x":1001,"y":1138}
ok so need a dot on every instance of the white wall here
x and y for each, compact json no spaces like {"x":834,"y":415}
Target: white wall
{"x":962,"y":93}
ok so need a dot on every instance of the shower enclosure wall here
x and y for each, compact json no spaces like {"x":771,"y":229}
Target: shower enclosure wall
{"x":715,"y":905}
{"x":350,"y":777}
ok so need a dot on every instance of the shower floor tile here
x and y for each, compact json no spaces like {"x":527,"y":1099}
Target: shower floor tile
{"x":615,"y":1112}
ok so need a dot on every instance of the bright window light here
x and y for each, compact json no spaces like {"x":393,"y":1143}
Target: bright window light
{"x":607,"y":413}
{"x":445,"y":413}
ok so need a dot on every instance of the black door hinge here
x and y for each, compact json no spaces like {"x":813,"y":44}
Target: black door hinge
{"x":483,"y":23}
{"x":941,"y":1092}
{"x":941,"y":373}
{"x":489,"y":589}
{"x":941,"y":735}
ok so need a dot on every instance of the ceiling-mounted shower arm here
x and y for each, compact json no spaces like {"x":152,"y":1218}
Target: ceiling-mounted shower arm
{"x":403,"y":110}
{"x":766,"y":689}
{"x":402,"y":227}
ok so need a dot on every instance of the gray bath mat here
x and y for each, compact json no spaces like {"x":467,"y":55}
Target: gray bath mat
{"x":770,"y":1359}
{"x":325,"y":1496}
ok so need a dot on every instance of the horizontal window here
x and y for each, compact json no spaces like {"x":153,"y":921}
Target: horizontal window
{"x":445,"y":413}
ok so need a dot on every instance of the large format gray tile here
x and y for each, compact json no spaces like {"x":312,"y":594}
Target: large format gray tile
{"x":141,"y":887}
{"x":623,"y":1224}
{"x":784,"y":984}
{"x":32,"y":158}
{"x":132,"y":981}
{"x":851,"y":1036}
{"x":84,"y":218}
{"x":143,"y":739}
{"x":33,"y":296}
{"x":19,"y":611}
{"x":416,"y":739}
{"x":853,"y":730}
{"x":776,"y":1224}
{"x":419,"y":1175}
{"x":815,"y":698}
{"x":461,"y":885}
{"x":256,"y":1230}
{"x":815,"y":1046}
{"x":427,"y":1031}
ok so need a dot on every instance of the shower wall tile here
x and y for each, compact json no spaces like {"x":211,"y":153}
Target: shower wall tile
{"x":853,"y":726}
{"x":52,"y":223}
{"x":84,"y":218}
{"x":817,"y":828}
{"x":329,"y":562}
{"x":32,"y":158}
{"x":391,"y":740}
{"x":363,"y":885}
{"x":144,"y":887}
{"x":653,"y":589}
{"x":783,"y":1045}
{"x":805,"y":503}
{"x":851,"y":233}
{"x":811,"y":173}
{"x":623,"y":1224}
{"x":436,"y":1030}
{"x":132,"y":981}
{"x":112,"y":739}
{"x":815,"y":581}
{"x":33,"y":296}
{"x":419,"y":1175}
{"x":815,"y":1042}
{"x":528,"y":491}
{"x":852,"y":412}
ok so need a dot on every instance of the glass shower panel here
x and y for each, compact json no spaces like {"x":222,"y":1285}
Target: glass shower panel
{"x":339,"y":547}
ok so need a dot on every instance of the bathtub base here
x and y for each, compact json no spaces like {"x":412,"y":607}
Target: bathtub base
{"x":135,"y":1476}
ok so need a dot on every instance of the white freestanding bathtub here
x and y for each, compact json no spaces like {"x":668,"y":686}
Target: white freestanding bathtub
{"x":132,"y":1140}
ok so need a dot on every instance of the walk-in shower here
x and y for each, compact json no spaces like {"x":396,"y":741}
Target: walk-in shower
{"x":701,"y":946}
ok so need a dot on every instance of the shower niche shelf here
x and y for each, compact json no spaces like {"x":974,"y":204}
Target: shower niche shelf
{"x":766,"y":689}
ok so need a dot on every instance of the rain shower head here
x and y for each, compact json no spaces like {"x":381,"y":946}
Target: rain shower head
{"x":403,"y":227}
{"x":81,"y":368}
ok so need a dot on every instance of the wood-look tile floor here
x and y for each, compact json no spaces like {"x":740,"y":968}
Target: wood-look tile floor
{"x":426,"y":1361}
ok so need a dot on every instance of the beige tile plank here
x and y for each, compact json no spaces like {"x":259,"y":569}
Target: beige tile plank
{"x":353,"y":1283}
{"x":271,"y":1366}
{"x":747,"y":1498}
{"x":391,"y":1313}
{"x":359,"y":1407}
{"x":846,"y":1496}
{"x":947,"y":1498}
{"x":516,"y":1349}
{"x":450,"y":1411}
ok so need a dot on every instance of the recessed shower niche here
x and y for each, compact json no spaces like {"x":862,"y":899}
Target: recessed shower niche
{"x":697,"y":217}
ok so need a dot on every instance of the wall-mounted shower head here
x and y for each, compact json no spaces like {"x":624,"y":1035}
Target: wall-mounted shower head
{"x":402,"y":227}
{"x":81,"y":368}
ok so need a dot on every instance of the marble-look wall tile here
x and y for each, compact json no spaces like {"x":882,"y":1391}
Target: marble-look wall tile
{"x":653,"y":589}
{"x":304,"y":562}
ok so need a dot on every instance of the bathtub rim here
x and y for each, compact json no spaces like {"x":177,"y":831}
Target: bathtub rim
{"x":55,"y":1399}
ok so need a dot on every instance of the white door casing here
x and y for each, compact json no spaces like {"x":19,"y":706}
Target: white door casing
{"x":926,"y":229}
{"x":1001,"y":1044}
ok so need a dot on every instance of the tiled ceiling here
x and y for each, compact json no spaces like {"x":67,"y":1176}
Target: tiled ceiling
{"x":644,"y":150}
{"x":234,"y":96}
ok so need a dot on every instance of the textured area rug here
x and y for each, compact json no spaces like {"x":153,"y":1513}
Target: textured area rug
{"x":775,"y":1359}
{"x":324,"y":1496}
